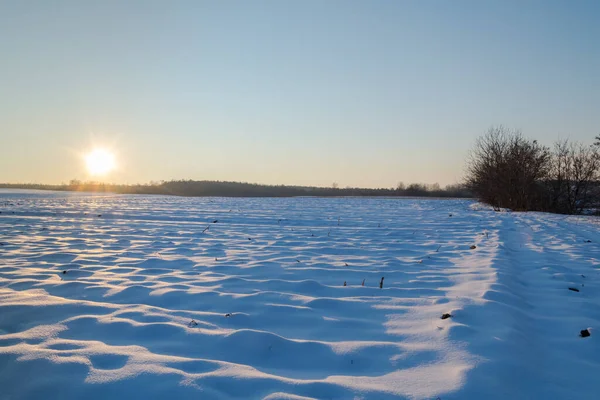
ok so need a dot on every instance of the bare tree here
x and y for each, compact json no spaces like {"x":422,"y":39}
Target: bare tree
{"x":574,"y":177}
{"x":506,"y":170}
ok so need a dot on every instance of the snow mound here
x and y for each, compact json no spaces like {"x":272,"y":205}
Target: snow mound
{"x":284,"y":299}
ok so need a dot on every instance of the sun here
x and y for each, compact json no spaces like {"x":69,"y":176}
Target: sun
{"x":100,"y":162}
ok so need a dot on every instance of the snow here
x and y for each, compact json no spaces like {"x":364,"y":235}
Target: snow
{"x":154,"y":305}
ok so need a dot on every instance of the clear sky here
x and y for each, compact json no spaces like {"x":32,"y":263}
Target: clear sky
{"x":363,"y":93}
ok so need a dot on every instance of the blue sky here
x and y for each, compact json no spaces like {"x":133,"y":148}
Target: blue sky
{"x":363,"y":93}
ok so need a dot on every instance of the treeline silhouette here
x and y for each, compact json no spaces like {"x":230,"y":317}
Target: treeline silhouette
{"x":507,"y":170}
{"x":242,"y":189}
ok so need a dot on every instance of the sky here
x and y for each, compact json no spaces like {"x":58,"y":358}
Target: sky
{"x":361,"y":93}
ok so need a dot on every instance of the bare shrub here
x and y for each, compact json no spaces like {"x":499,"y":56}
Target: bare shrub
{"x":506,"y":170}
{"x":574,"y":176}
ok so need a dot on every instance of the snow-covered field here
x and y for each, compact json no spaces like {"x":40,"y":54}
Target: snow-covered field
{"x":106,"y":296}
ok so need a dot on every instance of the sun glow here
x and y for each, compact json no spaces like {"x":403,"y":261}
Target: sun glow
{"x":100,"y":162}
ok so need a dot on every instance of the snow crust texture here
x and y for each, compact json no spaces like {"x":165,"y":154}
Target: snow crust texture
{"x":111,"y":296}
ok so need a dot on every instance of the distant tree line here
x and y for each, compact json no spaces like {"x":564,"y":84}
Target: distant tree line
{"x":241,"y":189}
{"x":507,"y":170}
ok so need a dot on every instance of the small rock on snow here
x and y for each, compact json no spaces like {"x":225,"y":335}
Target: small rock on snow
{"x":585,"y":333}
